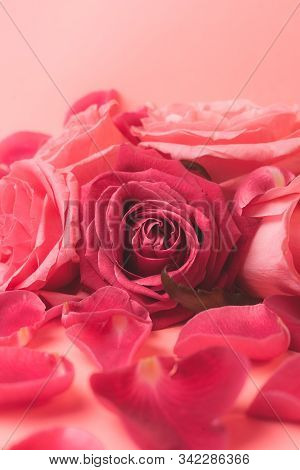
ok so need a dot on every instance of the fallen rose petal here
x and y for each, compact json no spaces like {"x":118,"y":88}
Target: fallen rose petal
{"x":55,"y":301}
{"x":21,"y":313}
{"x":60,"y":438}
{"x":96,"y":97}
{"x":108,"y":325}
{"x":21,"y":145}
{"x":253,"y":331}
{"x":174,"y":404}
{"x":59,"y":298}
{"x":28,"y":376}
{"x":279,"y":398}
{"x":287,"y":307}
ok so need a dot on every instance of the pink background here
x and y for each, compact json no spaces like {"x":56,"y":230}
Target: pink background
{"x":150,"y":50}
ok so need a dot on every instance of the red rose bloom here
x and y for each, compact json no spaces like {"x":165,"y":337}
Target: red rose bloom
{"x":151,"y":214}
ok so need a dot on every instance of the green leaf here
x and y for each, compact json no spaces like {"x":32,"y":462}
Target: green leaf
{"x":198,"y":300}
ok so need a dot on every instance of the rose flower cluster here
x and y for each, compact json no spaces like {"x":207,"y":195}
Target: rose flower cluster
{"x":134,"y":221}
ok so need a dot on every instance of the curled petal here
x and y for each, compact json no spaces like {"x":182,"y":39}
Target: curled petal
{"x":253,"y":331}
{"x":279,"y":398}
{"x":21,"y":313}
{"x":96,"y":97}
{"x":174,"y":404}
{"x":226,"y":161}
{"x":61,"y":438}
{"x":29,"y":376}
{"x":21,"y":145}
{"x":4,"y":169}
{"x":287,"y":307}
{"x":85,"y":147}
{"x":108,"y":325}
{"x":259,"y":181}
{"x":55,"y":301}
{"x":124,"y":121}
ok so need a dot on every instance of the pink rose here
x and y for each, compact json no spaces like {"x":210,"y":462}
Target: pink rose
{"x":227,"y":141}
{"x":151,"y":214}
{"x":85,"y":147}
{"x":39,"y":227}
{"x":20,"y":145}
{"x":272,"y":265}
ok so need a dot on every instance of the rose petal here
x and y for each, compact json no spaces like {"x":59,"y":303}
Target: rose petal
{"x":253,"y":331}
{"x":108,"y":325}
{"x":226,"y":161}
{"x":287,"y":307}
{"x":270,"y":267}
{"x":4,"y":169}
{"x":85,"y":147}
{"x":124,"y":121}
{"x":29,"y":376}
{"x":21,"y":145}
{"x":96,"y":97}
{"x":170,"y":404}
{"x":55,"y":301}
{"x":279,"y":398}
{"x":259,"y":181}
{"x":60,"y":438}
{"x":21,"y":313}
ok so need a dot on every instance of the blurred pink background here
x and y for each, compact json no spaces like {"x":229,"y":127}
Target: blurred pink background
{"x":150,"y":50}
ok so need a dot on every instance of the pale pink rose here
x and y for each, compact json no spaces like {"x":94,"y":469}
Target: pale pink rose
{"x":38,"y":227}
{"x":85,"y":146}
{"x":272,"y":265}
{"x":227,"y":139}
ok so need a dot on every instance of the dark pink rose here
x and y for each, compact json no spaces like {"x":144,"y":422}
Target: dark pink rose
{"x":227,"y":139}
{"x":38,"y":227}
{"x":150,"y":214}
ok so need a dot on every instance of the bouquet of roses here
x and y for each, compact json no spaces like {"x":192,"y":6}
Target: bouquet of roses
{"x":133,"y":221}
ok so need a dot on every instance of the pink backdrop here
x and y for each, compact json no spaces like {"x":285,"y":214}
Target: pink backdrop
{"x":158,"y":50}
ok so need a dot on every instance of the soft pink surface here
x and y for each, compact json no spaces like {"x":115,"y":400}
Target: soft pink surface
{"x":164,"y":51}
{"x":78,"y":407}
